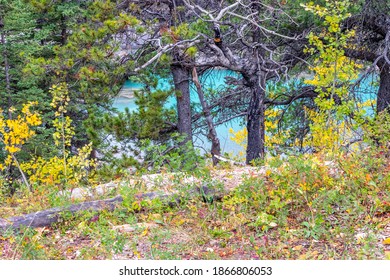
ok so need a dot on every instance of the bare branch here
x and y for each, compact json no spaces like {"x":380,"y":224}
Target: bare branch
{"x":262,"y":27}
{"x":167,"y":48}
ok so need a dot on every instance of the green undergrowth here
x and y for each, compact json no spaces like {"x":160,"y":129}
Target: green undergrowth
{"x":302,"y":207}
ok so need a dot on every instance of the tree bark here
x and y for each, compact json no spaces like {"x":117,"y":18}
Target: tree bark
{"x":181,"y":76}
{"x":383,"y":100}
{"x":255,"y":123}
{"x":182,"y":87}
{"x":257,"y":79}
{"x":212,"y":135}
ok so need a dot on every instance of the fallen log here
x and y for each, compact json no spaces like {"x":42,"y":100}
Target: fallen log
{"x":50,"y":216}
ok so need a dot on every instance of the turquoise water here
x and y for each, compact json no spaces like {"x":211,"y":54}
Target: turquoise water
{"x":216,"y":80}
{"x":213,"y":80}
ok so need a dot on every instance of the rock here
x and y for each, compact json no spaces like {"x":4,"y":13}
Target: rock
{"x":273,"y":224}
{"x":80,"y":193}
{"x":130,"y":228}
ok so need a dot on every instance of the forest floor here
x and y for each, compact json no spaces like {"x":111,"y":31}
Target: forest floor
{"x":260,"y":217}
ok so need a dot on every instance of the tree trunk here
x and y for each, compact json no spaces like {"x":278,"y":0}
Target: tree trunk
{"x":212,"y":135}
{"x":182,"y":87}
{"x":181,"y":77}
{"x":383,"y":100}
{"x":255,"y":123}
{"x":6,"y":70}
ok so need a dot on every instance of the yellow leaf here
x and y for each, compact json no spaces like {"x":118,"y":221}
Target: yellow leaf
{"x":302,"y":257}
{"x":386,"y":241}
{"x":145,"y":232}
{"x":297,"y":248}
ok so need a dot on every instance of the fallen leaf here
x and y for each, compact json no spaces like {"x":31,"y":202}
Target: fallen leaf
{"x":386,"y":241}
{"x":297,"y":248}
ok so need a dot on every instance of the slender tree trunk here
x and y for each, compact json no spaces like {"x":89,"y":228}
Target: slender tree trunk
{"x":383,"y":100}
{"x":6,"y":70}
{"x":212,"y":135}
{"x":64,"y":35}
{"x":63,"y":27}
{"x":255,"y":123}
{"x":24,"y":178}
{"x":182,"y":87}
{"x":181,"y":77}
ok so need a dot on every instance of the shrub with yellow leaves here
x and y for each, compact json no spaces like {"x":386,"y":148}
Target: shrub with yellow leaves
{"x":51,"y":171}
{"x":64,"y":169}
{"x":15,"y":132}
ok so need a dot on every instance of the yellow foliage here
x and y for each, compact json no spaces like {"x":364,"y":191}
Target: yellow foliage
{"x":62,"y":169}
{"x":272,"y":137}
{"x":61,"y":97}
{"x":386,"y":241}
{"x":333,"y":75}
{"x":51,"y":171}
{"x":15,"y":132}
